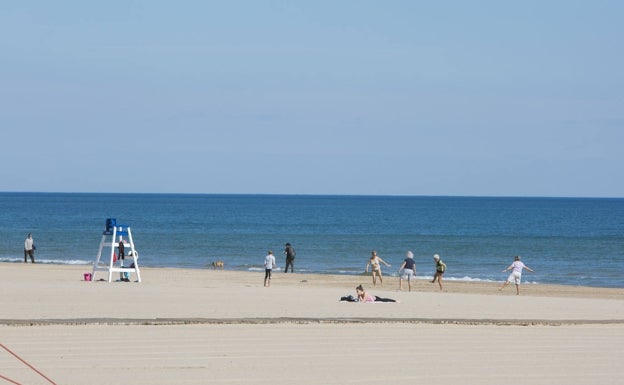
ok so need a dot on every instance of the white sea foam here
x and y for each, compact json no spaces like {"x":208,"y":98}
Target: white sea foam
{"x":467,"y":279}
{"x":50,"y":261}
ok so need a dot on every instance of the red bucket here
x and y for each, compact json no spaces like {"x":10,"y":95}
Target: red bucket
{"x":87,"y":276}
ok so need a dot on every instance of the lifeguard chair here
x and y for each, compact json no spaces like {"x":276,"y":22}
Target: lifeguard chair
{"x":115,"y":231}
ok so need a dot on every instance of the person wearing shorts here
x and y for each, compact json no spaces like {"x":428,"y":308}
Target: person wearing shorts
{"x":516,"y":274}
{"x":407,"y":270}
{"x":374,"y":263}
{"x":440,"y":268}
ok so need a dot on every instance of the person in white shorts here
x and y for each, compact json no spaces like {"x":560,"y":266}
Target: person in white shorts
{"x":516,"y":274}
{"x":407,"y":270}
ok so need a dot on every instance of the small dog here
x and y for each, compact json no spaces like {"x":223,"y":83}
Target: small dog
{"x":217,"y":265}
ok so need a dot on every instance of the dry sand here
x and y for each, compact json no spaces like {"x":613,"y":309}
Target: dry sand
{"x":204,"y":326}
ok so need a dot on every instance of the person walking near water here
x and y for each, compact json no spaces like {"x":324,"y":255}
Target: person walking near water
{"x":516,"y":274}
{"x":269,"y":265}
{"x":440,"y":268}
{"x":407,"y":270}
{"x":290,"y":253}
{"x":29,"y":249}
{"x":373,"y":262}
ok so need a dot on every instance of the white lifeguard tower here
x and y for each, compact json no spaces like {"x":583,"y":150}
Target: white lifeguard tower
{"x":117,"y":233}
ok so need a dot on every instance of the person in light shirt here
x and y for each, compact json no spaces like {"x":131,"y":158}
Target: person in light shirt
{"x":516,"y":274}
{"x":269,"y":265}
{"x":29,"y":249}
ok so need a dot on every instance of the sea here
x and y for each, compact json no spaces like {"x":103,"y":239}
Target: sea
{"x":569,"y":241}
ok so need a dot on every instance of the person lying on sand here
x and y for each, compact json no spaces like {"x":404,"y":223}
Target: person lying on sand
{"x":363,"y":296}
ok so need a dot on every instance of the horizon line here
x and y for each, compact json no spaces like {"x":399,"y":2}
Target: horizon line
{"x":317,"y":194}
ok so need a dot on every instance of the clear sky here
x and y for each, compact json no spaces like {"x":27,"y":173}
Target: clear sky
{"x":491,"y":98}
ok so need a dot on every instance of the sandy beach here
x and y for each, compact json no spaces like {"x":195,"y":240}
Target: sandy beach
{"x":204,"y":326}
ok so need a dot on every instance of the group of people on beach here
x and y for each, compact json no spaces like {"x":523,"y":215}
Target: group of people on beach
{"x":407,"y":270}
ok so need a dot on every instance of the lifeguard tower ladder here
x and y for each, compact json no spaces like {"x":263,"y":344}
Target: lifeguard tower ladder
{"x":113,"y":230}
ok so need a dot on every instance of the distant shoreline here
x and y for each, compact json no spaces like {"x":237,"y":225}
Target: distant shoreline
{"x":390,"y":276}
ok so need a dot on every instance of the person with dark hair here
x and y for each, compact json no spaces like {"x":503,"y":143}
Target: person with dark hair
{"x":122,"y":249}
{"x":29,"y":249}
{"x":123,"y":276}
{"x":375,"y":263}
{"x":290,"y":253}
{"x":363,"y":296}
{"x":269,"y":265}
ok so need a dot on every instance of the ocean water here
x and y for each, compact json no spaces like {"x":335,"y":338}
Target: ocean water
{"x":565,"y":240}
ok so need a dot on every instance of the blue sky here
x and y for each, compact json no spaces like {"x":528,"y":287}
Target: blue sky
{"x":319,"y":97}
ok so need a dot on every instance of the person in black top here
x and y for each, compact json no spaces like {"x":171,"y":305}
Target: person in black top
{"x":409,"y":270}
{"x":122,"y":249}
{"x":290,"y":257}
{"x":123,"y":276}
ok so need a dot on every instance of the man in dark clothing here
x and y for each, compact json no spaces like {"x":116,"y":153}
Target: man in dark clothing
{"x":290,"y":257}
{"x":29,"y":249}
{"x":122,"y":249}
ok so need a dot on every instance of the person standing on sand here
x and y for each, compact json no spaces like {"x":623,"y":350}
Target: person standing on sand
{"x":29,"y":249}
{"x":373,"y":262}
{"x":269,"y":265}
{"x":290,"y":253}
{"x":440,"y":269}
{"x":407,"y":270}
{"x":516,"y":274}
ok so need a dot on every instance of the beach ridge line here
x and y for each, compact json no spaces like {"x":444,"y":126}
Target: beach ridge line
{"x":301,"y":320}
